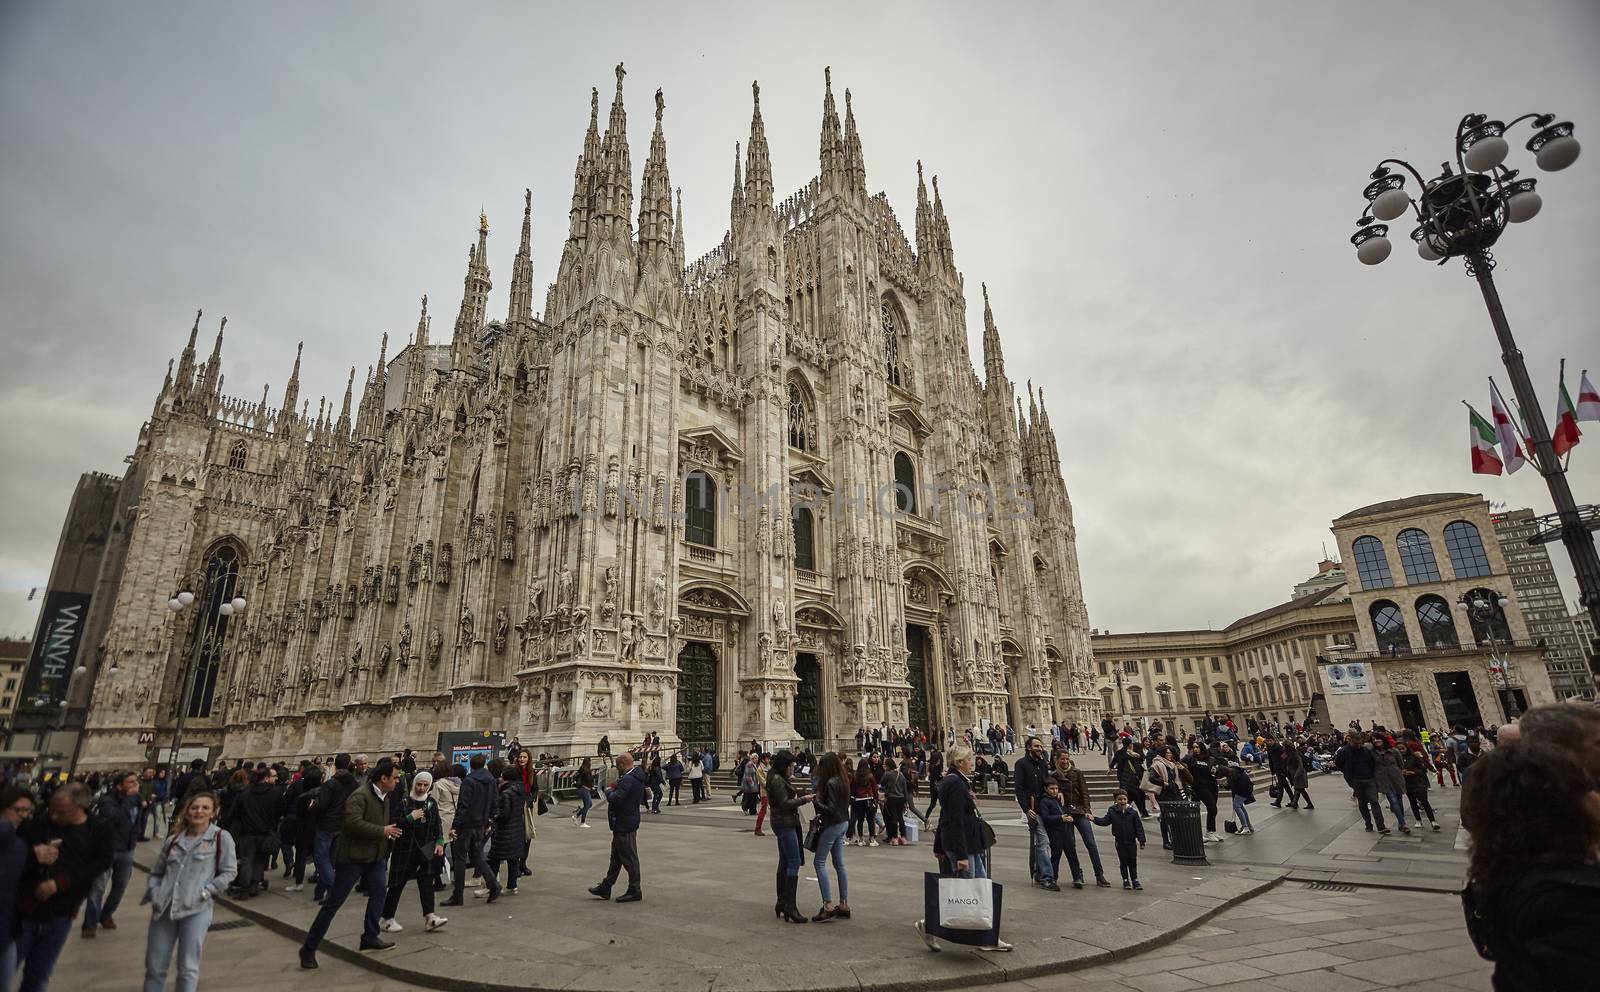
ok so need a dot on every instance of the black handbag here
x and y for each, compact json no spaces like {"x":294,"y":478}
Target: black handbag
{"x":813,"y":835}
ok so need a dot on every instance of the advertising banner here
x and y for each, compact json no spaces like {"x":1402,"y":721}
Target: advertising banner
{"x":460,"y":745}
{"x":55,"y":650}
{"x":1346,"y":678}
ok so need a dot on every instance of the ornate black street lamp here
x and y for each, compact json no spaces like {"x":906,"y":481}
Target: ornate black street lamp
{"x":219,"y":599}
{"x":1461,"y":213}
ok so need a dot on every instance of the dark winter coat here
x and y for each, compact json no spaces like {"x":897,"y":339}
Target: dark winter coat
{"x":1028,"y":783}
{"x":85,"y":856}
{"x":121,"y":813}
{"x":1541,"y":929}
{"x":361,"y":840}
{"x":1074,"y":790}
{"x":1130,"y":768}
{"x":783,"y":803}
{"x":1389,"y":777}
{"x":1357,"y":763}
{"x":420,"y":835}
{"x":476,"y":804}
{"x":1417,"y":771}
{"x":1127,"y":826}
{"x":255,"y":812}
{"x":1294,"y":768}
{"x":331,"y":796}
{"x":623,"y":799}
{"x":14,"y":855}
{"x":958,"y":834}
{"x":510,"y":837}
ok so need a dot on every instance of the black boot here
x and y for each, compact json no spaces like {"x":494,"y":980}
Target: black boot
{"x":790,"y":911}
{"x":603,"y":890}
{"x":777,"y":907}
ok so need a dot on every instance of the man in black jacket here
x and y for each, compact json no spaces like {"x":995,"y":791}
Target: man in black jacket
{"x":474,"y":806}
{"x":120,"y":809}
{"x":252,"y":820}
{"x":16,"y":806}
{"x":1029,"y":778}
{"x":1360,"y":768}
{"x":328,"y":808}
{"x":622,"y":815}
{"x":69,"y":849}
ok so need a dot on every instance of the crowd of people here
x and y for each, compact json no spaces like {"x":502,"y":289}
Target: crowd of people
{"x":345,"y":824}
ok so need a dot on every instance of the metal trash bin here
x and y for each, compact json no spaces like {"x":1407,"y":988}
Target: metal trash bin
{"x":1183,"y":829}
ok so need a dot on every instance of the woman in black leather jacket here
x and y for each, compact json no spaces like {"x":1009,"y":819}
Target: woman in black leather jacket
{"x":784,"y":804}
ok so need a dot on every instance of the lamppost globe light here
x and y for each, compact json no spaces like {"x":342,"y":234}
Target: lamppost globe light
{"x":1373,"y":250}
{"x":1486,"y":153}
{"x":238,"y":604}
{"x":1425,"y":250}
{"x":185,"y":597}
{"x":226,"y":609}
{"x":1523,"y":205}
{"x":174,"y":604}
{"x":81,"y":670}
{"x":1502,"y":602}
{"x":1554,"y":148}
{"x":1391,"y":203}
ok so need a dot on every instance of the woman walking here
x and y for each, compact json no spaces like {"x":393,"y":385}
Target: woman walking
{"x":958,"y":840}
{"x":1416,"y":770}
{"x":784,"y":802}
{"x":832,"y":800}
{"x":674,"y":780}
{"x":585,"y":793}
{"x":1244,"y":793}
{"x":1294,"y":773}
{"x":509,"y":841}
{"x":530,"y":793}
{"x":1390,"y":780}
{"x":653,"y":778}
{"x":195,"y":865}
{"x":421,"y":840}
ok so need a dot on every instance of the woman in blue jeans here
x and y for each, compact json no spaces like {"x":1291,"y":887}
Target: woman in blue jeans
{"x":585,"y":793}
{"x":832,"y":801}
{"x":958,"y":840}
{"x":784,"y":804}
{"x":195,"y":865}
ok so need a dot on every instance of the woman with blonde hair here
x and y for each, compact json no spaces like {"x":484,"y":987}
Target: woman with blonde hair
{"x":958,"y":841}
{"x":193,"y":867}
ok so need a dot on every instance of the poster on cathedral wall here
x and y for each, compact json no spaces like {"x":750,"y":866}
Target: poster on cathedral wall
{"x":1344,"y":679}
{"x":55,"y":650}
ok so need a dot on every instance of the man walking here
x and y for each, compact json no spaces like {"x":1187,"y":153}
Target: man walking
{"x":1029,"y":777}
{"x":69,"y":849}
{"x":121,"y":810}
{"x":328,"y":808}
{"x":622,"y":815}
{"x":360,"y":854}
{"x":474,"y":806}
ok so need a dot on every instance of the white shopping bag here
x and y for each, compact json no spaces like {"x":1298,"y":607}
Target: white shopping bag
{"x":445,"y":875}
{"x":966,"y":904}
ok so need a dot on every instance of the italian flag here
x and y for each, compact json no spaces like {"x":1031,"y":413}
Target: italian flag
{"x":1484,"y":460}
{"x":1510,"y":450}
{"x":1566,"y":434}
{"x":1588,"y":399}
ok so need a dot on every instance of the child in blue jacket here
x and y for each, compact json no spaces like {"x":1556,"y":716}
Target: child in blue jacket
{"x":1127,"y":827}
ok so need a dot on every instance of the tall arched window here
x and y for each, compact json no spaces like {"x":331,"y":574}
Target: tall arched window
{"x":1465,"y":547}
{"x":1389,"y":627}
{"x":700,"y":509}
{"x":237,"y":455}
{"x":1438,"y":629}
{"x":1416,"y":556}
{"x":799,"y":418}
{"x":1255,"y":690}
{"x":905,"y":483}
{"x":891,"y":341}
{"x":1371,"y":565}
{"x":805,"y":555}
{"x":211,"y":627}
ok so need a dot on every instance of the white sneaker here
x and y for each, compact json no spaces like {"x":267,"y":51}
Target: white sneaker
{"x":584,"y":826}
{"x":390,"y":926}
{"x":293,"y":888}
{"x":999,"y":945}
{"x":435,"y":921}
{"x":480,"y":893}
{"x":932,"y":942}
{"x":873,"y":842}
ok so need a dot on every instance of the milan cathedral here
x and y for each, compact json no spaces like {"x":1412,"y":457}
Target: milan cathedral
{"x":762,"y":494}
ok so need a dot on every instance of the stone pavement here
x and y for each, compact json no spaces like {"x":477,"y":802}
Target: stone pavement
{"x":708,"y":888}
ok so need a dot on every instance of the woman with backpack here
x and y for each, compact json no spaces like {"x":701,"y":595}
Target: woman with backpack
{"x":195,"y":865}
{"x":422,"y":839}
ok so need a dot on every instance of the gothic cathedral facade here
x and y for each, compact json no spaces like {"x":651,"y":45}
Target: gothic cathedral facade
{"x":758,"y":495}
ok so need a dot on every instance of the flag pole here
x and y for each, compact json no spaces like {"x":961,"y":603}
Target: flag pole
{"x":1522,"y":436}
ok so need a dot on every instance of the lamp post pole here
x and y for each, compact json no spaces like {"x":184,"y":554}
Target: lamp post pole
{"x":218,"y":601}
{"x":1461,"y":214}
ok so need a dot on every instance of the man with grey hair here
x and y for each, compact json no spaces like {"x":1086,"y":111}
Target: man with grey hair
{"x":67,"y":850}
{"x":359,"y":764}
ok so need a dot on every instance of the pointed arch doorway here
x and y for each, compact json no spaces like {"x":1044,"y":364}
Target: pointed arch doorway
{"x":808,"y":697}
{"x":697,"y":695}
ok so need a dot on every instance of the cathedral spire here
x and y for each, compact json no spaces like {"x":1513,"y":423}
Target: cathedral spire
{"x":994,"y":362}
{"x":614,"y":188}
{"x":417,"y":368}
{"x":186,"y":359}
{"x":736,"y":204}
{"x":855,"y":164}
{"x":212,"y":386}
{"x":369,"y":418}
{"x":343,"y":426}
{"x":474,"y":301}
{"x":924,"y":219}
{"x":655,"y":193}
{"x":832,"y":152}
{"x":758,"y":164}
{"x":583,"y":172}
{"x":677,"y":234}
{"x":941,"y":229}
{"x":291,"y":390}
{"x":520,"y":313}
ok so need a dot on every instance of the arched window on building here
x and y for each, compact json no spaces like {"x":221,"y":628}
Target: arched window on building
{"x":805,"y":554}
{"x":905,"y":483}
{"x":237,"y":455}
{"x":891,"y":341}
{"x":1272,"y":690}
{"x":1465,"y":547}
{"x":1416,"y":556}
{"x":700,"y":509}
{"x":1438,"y":628}
{"x":799,"y":418}
{"x":1372,"y":568}
{"x":1389,"y":628}
{"x":211,"y":626}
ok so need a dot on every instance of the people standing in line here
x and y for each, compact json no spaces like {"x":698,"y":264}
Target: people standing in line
{"x":1533,"y":894}
{"x":1389,"y":779}
{"x":508,"y":840}
{"x":120,"y":809}
{"x":585,"y":793}
{"x":785,"y":802}
{"x":654,"y":778}
{"x":1075,"y":804}
{"x":419,"y":846}
{"x":474,"y":806}
{"x":1127,"y":831}
{"x":328,"y":808}
{"x":622,"y":816}
{"x":1030,"y":773}
{"x":675,"y":772}
{"x":1360,"y":768}
{"x":1244,"y":793}
{"x":832,"y":801}
{"x":360,"y":853}
{"x":896,"y":790}
{"x":16,"y":806}
{"x":195,"y":865}
{"x":958,"y":840}
{"x":69,"y":849}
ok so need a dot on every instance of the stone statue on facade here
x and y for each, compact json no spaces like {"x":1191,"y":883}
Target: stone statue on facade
{"x":464,"y":626}
{"x":502,"y":628}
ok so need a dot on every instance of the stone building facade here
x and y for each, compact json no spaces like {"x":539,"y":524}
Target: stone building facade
{"x":1544,"y":605}
{"x":1426,"y":655}
{"x":759,"y":494}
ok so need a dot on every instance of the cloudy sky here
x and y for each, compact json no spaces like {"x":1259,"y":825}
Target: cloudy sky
{"x":1159,"y":197}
